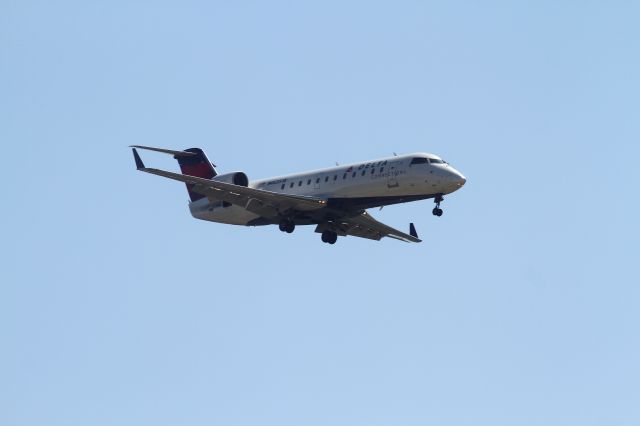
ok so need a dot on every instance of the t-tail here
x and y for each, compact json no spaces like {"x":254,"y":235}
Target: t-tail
{"x":193,"y":162}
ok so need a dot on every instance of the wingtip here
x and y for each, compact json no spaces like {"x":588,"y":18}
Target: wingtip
{"x":136,"y":157}
{"x":412,"y":230}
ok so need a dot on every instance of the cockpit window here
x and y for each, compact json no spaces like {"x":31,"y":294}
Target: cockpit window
{"x":419,"y":160}
{"x":436,"y":161}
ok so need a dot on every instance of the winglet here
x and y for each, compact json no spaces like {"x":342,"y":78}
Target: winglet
{"x":412,"y":231}
{"x":139,"y":163}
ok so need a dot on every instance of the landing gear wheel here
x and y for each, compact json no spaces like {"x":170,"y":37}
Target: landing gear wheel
{"x":334,"y":238}
{"x":329,"y":237}
{"x":287,"y":226}
{"x":437,"y":211}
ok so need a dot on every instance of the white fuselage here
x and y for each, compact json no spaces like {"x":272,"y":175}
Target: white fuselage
{"x":378,"y":182}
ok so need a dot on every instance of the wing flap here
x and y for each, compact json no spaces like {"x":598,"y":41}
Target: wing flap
{"x":365,"y":226}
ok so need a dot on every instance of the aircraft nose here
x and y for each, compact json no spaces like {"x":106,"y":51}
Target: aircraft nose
{"x":457,"y":179}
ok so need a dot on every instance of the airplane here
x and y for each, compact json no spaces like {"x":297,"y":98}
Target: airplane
{"x":334,"y":199}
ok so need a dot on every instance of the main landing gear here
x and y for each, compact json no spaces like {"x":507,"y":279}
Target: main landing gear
{"x":437,"y":211}
{"x":287,"y":226}
{"x":329,"y":237}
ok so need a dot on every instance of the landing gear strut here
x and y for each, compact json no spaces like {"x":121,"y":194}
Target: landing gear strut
{"x":329,"y":237}
{"x":437,"y":211}
{"x":287,"y":226}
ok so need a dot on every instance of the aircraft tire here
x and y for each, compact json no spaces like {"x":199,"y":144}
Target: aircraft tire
{"x":332,"y":237}
{"x":287,"y":226}
{"x":329,"y":237}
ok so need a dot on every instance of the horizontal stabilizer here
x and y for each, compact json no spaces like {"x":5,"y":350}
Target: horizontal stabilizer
{"x":167,"y":151}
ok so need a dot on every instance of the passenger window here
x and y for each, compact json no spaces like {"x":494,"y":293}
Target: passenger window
{"x":344,"y":176}
{"x":309,"y":182}
{"x":326,"y":179}
{"x":373,"y":171}
{"x":363,"y":172}
{"x":381,"y":169}
{"x":353,"y":174}
{"x":318,"y":180}
{"x":335,"y":177}
{"x":300,"y":183}
{"x":282,"y":187}
{"x":291,"y":186}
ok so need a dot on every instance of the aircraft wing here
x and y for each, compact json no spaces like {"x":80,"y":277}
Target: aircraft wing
{"x":365,"y":226}
{"x":264,"y":203}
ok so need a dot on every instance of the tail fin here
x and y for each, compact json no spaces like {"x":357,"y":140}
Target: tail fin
{"x":192,"y":161}
{"x":197,"y":165}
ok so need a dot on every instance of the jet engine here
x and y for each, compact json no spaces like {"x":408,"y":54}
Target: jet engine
{"x":236,"y":178}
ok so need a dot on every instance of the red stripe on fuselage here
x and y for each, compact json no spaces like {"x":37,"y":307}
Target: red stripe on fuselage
{"x":202,"y":170}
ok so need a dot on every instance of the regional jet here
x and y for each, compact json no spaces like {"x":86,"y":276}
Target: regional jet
{"x":334,"y":199}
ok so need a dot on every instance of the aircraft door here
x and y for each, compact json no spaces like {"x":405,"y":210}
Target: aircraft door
{"x":392,"y":177}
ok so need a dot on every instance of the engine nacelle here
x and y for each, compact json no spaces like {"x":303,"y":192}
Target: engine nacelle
{"x":236,"y":178}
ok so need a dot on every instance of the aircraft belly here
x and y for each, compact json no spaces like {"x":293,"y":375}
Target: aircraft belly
{"x":232,"y":215}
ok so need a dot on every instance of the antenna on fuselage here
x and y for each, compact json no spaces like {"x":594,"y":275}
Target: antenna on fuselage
{"x":337,"y":164}
{"x":395,"y":155}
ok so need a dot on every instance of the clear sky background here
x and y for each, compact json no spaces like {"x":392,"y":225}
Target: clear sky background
{"x":521,"y":306}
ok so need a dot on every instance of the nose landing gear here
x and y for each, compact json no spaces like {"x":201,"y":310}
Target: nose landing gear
{"x":437,"y":211}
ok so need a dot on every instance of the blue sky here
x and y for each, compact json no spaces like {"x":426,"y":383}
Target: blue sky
{"x":520,"y":307}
